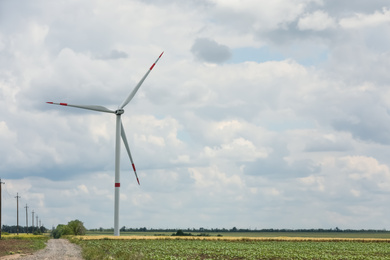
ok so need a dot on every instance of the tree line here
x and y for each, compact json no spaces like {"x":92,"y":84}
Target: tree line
{"x":22,"y":229}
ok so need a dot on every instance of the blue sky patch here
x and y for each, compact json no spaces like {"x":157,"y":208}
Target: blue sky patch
{"x":262,"y":54}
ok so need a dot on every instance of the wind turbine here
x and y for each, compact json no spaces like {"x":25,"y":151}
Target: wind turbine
{"x":120,"y":132}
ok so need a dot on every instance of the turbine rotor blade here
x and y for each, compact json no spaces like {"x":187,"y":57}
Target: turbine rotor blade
{"x":89,"y":107}
{"x":132,"y":94}
{"x":128,"y":151}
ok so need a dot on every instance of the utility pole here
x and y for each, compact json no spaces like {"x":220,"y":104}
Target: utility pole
{"x":37,"y":222}
{"x":17,"y":213}
{"x":26,"y":220}
{"x":32,"y":221}
{"x":0,"y":204}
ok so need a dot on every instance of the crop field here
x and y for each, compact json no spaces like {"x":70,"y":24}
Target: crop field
{"x":374,"y":235}
{"x":146,"y":247}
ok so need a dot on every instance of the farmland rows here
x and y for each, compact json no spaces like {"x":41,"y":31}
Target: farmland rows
{"x":382,"y":235}
{"x":231,"y":249}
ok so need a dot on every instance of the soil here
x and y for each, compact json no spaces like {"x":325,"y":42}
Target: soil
{"x":14,"y":246}
{"x":55,"y":249}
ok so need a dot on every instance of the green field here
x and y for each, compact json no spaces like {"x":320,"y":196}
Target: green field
{"x":182,"y":248}
{"x":375,"y":235}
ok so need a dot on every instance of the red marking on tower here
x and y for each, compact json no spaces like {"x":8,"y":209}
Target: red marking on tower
{"x":117,"y":185}
{"x":63,"y":104}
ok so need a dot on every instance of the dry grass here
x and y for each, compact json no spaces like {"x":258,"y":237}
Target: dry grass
{"x":21,"y":236}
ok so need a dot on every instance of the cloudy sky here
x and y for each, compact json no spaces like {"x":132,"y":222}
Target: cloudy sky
{"x":260,"y":114}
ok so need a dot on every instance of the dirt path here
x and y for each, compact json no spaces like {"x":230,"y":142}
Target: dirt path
{"x":55,"y":249}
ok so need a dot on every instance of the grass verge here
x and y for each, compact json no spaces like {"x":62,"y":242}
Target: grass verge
{"x":21,"y":244}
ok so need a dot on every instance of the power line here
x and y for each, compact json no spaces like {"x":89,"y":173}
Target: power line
{"x":7,"y":194}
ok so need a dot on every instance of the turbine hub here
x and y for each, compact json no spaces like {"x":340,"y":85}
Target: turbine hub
{"x":119,"y":112}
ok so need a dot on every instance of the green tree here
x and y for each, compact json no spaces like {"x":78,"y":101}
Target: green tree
{"x":180,"y":233}
{"x":61,"y":230}
{"x":74,"y":227}
{"x":77,"y":227}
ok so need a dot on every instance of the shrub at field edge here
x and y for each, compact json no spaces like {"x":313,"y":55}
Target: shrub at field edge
{"x":74,"y":227}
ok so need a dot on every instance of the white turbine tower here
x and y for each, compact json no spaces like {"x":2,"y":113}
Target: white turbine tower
{"x":120,"y":132}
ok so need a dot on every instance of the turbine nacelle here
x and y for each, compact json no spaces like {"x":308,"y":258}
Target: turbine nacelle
{"x":119,"y":111}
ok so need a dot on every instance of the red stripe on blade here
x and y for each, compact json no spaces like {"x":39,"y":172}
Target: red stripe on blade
{"x":152,"y":66}
{"x":49,"y":102}
{"x":133,"y":166}
{"x":161,"y":55}
{"x":117,"y":185}
{"x":63,"y":104}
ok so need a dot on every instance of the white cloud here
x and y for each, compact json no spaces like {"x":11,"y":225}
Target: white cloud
{"x":239,"y":149}
{"x":360,"y":20}
{"x":316,"y":21}
{"x":212,"y":177}
{"x":264,"y":15}
{"x":366,"y":168}
{"x":210,"y":51}
{"x":314,"y":182}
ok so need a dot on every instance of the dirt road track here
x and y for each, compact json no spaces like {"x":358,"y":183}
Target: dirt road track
{"x":56,"y":249}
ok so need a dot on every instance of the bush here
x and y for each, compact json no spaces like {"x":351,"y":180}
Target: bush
{"x":181,"y":233}
{"x":74,"y":227}
{"x":60,"y":231}
{"x":77,"y":227}
{"x":37,"y":232}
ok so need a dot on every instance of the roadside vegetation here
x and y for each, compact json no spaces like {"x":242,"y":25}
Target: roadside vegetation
{"x":21,"y":244}
{"x":74,"y":227}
